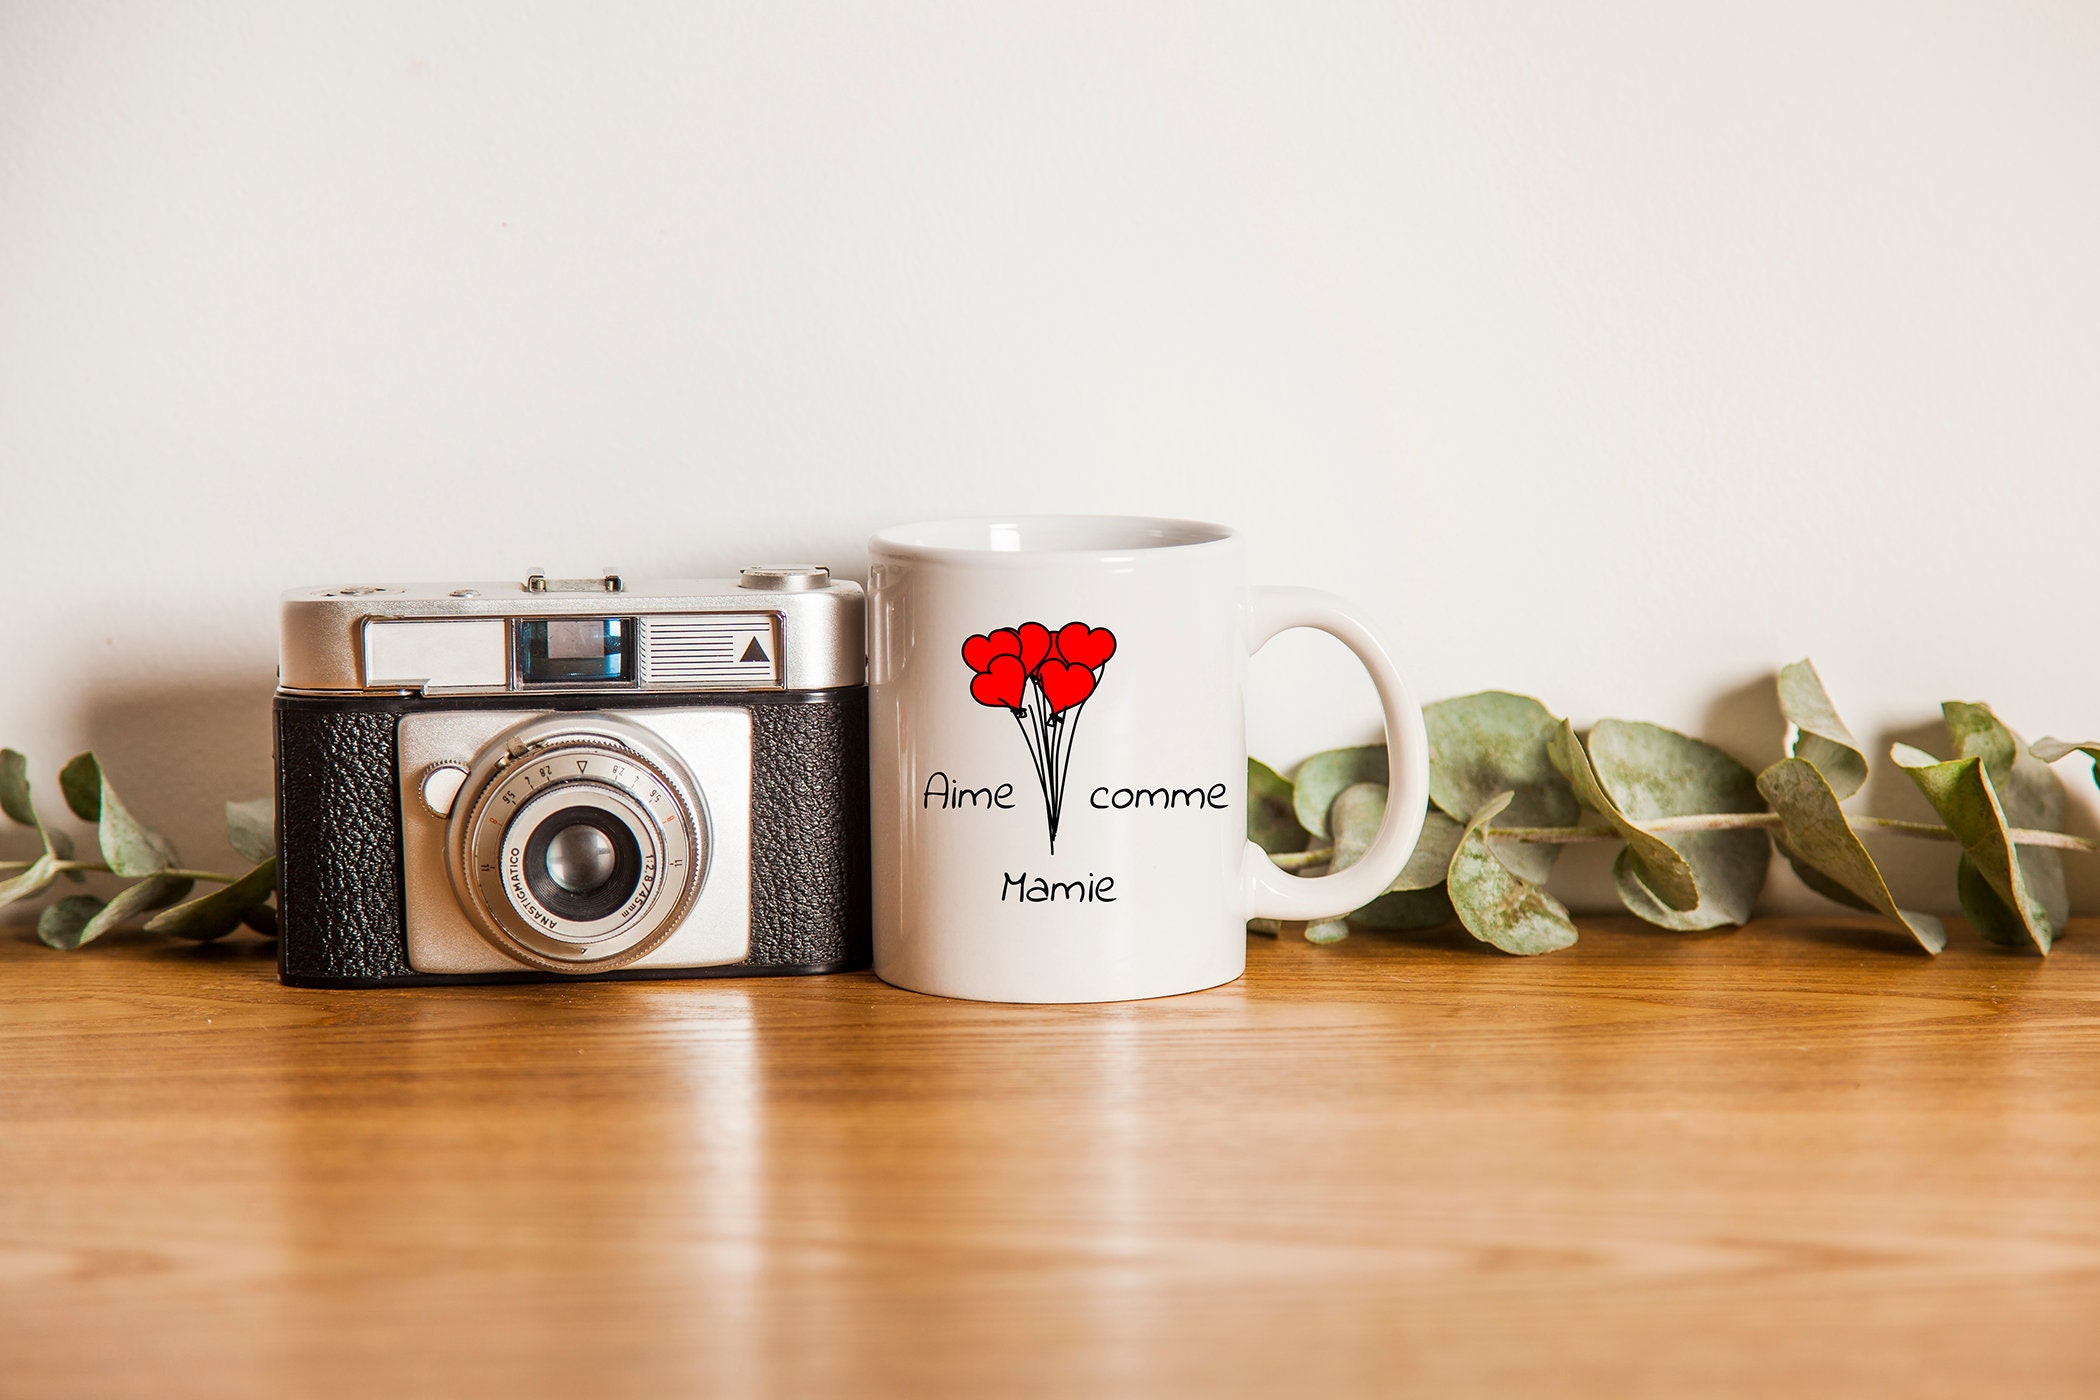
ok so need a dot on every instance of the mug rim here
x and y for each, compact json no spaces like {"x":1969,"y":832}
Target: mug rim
{"x":1121,"y":536}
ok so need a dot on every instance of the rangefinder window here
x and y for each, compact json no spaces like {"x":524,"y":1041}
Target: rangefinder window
{"x":576,"y":650}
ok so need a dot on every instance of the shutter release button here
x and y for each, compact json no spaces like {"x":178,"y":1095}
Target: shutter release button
{"x":785,"y":578}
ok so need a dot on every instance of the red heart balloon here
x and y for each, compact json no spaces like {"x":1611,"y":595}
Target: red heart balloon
{"x":978,"y":652}
{"x":1002,"y":683}
{"x":1085,"y":646}
{"x":1035,"y":645}
{"x":1064,"y":685}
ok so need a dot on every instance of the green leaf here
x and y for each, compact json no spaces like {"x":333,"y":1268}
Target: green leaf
{"x":1407,"y":909}
{"x":1822,"y":847}
{"x":1354,"y":817}
{"x":1322,"y":777}
{"x":58,"y":846}
{"x":1431,"y":861}
{"x":1663,"y":871}
{"x":2029,"y":793}
{"x":251,"y":827}
{"x":1498,"y":906}
{"x":1327,"y":931}
{"x":1978,"y":734}
{"x":1271,"y":821}
{"x":128,"y":847}
{"x":81,"y":782}
{"x":220,"y":912}
{"x":14,"y":787}
{"x":1961,"y":792}
{"x":1991,"y":916}
{"x":154,"y":892}
{"x":1654,"y":772}
{"x":1357,"y":814}
{"x":2050,"y":750}
{"x":1493,"y":742}
{"x":130,"y":902}
{"x":1820,"y":736}
{"x":32,"y":881}
{"x":262,"y":918}
{"x":63,"y":920}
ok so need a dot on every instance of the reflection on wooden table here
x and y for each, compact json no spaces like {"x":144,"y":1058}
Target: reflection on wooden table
{"x":1793,"y":1157}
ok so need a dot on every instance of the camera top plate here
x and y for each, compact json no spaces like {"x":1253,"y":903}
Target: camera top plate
{"x":777,"y":628}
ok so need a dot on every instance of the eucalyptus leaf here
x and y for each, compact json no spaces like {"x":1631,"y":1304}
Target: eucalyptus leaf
{"x":1654,"y":772}
{"x":1498,"y":906}
{"x":81,"y":782}
{"x":2050,"y":750}
{"x":1991,"y":917}
{"x":220,"y":912}
{"x":1961,"y":792}
{"x":128,"y":847}
{"x":251,"y":827}
{"x":262,"y":918}
{"x":1431,"y":861}
{"x":63,"y":920}
{"x":33,"y":881}
{"x":16,"y":800}
{"x":130,"y":902}
{"x":1977,"y":733}
{"x":1327,"y":931}
{"x":1268,"y":926}
{"x":59,"y":844}
{"x":1354,"y":817}
{"x":1322,"y":777}
{"x":1492,"y":742}
{"x":2029,"y":793}
{"x":1826,"y":852}
{"x":1665,"y":873}
{"x":1820,"y":737}
{"x":1271,"y":824}
{"x":14,"y":788}
{"x":1357,"y":814}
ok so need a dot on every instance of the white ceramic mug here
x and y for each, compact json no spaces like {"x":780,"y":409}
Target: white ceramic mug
{"x":1059,"y":752}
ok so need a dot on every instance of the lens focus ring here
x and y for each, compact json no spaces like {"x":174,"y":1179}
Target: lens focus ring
{"x":584,"y":844}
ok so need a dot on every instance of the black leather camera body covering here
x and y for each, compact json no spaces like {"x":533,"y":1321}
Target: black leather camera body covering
{"x":340,"y":893}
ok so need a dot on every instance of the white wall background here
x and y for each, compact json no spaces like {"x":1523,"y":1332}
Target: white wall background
{"x":1616,"y":352}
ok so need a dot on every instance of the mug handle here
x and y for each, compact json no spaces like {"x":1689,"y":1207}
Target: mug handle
{"x":1272,"y":893}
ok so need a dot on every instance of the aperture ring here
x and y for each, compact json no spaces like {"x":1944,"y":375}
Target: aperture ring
{"x":538,"y":779}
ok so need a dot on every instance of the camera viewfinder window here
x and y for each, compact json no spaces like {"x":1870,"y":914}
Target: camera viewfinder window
{"x":575,"y":650}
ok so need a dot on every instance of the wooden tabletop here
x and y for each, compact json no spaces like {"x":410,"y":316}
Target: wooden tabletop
{"x":1795,"y":1158}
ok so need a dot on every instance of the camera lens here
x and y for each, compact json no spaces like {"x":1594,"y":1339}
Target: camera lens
{"x":580,"y":859}
{"x":579,"y":842}
{"x":582,"y":863}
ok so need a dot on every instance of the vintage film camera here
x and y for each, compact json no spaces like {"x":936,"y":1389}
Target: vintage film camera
{"x":572,"y":777}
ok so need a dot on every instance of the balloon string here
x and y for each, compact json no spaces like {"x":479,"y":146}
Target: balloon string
{"x":1052,"y":796}
{"x":1028,"y":743}
{"x":1065,"y":765}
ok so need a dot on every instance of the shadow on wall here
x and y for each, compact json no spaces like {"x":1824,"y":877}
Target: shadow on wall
{"x":1746,"y":721}
{"x":177,"y":752}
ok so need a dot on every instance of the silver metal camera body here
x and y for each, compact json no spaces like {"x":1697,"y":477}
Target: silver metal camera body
{"x":572,"y":778}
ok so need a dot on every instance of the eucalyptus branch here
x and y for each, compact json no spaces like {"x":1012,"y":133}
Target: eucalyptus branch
{"x":1772,"y":821}
{"x":133,"y":852}
{"x":97,"y":867}
{"x":1716,"y":821}
{"x":1528,"y":784}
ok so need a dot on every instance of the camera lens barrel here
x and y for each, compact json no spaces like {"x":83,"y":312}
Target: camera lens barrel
{"x":578,"y":843}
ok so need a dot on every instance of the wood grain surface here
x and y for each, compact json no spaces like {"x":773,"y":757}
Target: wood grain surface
{"x":1793,"y":1159}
